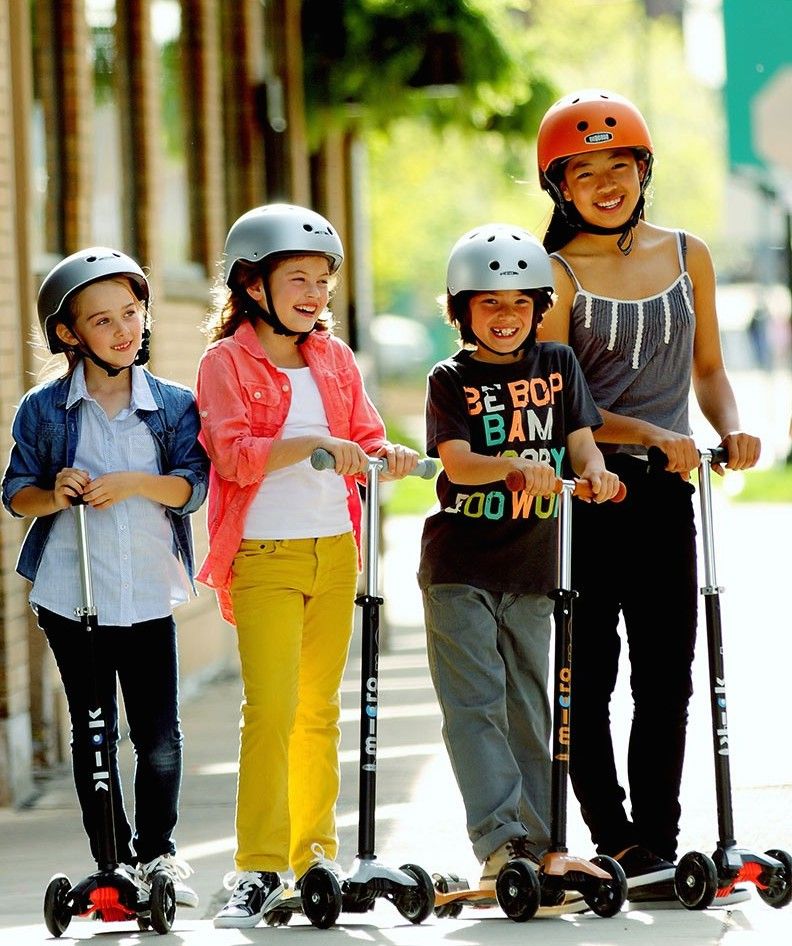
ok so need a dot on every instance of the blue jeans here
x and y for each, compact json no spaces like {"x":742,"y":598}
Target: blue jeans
{"x":143,"y":658}
{"x":489,"y":659}
{"x":636,"y":559}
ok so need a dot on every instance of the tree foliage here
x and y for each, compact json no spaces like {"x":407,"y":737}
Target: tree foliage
{"x":451,"y":62}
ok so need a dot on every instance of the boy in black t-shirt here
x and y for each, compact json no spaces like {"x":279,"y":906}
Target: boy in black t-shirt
{"x":502,"y":403}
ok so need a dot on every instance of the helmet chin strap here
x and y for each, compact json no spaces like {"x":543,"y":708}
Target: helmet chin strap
{"x":270,"y":316}
{"x":626,"y":238}
{"x":141,"y":358}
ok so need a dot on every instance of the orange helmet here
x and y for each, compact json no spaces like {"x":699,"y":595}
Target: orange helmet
{"x":589,"y":120}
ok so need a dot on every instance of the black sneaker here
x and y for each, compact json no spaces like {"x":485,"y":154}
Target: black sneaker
{"x":253,"y":892}
{"x":642,"y":868}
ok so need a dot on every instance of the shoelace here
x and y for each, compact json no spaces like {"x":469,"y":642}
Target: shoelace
{"x":322,"y":860}
{"x":173,"y":866}
{"x":241,"y":882}
{"x":518,"y":847}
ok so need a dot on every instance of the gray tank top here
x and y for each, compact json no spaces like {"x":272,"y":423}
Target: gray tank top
{"x":637,"y":354}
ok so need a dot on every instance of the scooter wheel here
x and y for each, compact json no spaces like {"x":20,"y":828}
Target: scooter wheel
{"x":778,"y":890}
{"x":162,"y":903}
{"x":415,"y":903}
{"x":608,"y":897}
{"x":696,"y":880}
{"x":278,"y":918}
{"x":321,"y":897}
{"x":448,"y":911}
{"x":57,"y":912}
{"x":517,"y":890}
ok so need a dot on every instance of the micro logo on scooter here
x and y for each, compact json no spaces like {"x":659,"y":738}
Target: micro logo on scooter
{"x":723,"y":732}
{"x":370,"y":743}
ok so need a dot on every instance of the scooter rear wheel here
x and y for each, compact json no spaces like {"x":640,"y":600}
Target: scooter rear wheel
{"x":162,"y":903}
{"x":610,"y":895}
{"x":696,"y":880}
{"x":321,"y":897}
{"x":778,"y":892}
{"x":415,"y":903}
{"x":517,"y":890}
{"x":57,"y":914}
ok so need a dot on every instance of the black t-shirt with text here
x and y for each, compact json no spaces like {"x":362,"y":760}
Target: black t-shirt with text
{"x":484,"y":535}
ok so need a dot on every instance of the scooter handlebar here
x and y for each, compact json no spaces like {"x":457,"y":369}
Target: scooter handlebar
{"x":515,"y":481}
{"x":659,"y":461}
{"x":324,"y":460}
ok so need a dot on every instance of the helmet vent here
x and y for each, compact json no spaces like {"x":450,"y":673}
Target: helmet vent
{"x":308,"y":227}
{"x":90,"y":259}
{"x":610,"y":121}
{"x":582,"y":126}
{"x":521,"y":264}
{"x":494,"y":265}
{"x":490,"y":238}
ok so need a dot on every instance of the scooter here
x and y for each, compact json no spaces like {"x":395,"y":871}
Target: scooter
{"x":108,"y":894}
{"x":700,"y":878}
{"x":520,"y":889}
{"x":322,"y":896}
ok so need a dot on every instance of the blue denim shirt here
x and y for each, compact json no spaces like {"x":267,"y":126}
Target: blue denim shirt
{"x":45,"y":436}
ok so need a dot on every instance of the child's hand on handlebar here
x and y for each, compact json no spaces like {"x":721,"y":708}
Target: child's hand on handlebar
{"x":350,"y":459}
{"x":540,"y":478}
{"x":604,"y":484}
{"x":401,"y":460}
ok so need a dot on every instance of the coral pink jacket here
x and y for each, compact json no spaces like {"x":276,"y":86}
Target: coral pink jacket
{"x":243,"y":400}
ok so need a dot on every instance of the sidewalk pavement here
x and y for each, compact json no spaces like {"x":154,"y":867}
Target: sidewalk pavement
{"x":419,"y":815}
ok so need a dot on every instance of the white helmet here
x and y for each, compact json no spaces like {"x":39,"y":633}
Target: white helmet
{"x":498,"y":256}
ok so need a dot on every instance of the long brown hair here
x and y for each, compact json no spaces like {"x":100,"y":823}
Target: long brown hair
{"x":233,"y":305}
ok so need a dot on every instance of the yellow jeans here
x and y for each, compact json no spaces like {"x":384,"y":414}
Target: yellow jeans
{"x":293,"y":601}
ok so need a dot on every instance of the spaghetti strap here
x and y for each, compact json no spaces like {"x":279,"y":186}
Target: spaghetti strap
{"x":682,"y":250}
{"x":568,"y":268}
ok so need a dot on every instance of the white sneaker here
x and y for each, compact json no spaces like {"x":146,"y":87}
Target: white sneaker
{"x":178,"y":871}
{"x":321,"y":860}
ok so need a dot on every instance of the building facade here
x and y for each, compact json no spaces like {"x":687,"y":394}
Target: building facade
{"x":147,"y":125}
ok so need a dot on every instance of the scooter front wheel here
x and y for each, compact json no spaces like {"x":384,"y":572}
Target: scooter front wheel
{"x":162,"y":903}
{"x":609,"y":897}
{"x":517,"y":890}
{"x":415,"y":903}
{"x":696,"y":880}
{"x":778,"y":890}
{"x":57,"y":913}
{"x":321,"y":897}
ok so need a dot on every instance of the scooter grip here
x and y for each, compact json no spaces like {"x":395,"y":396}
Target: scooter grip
{"x":659,"y":461}
{"x":322,"y":459}
{"x":515,"y":481}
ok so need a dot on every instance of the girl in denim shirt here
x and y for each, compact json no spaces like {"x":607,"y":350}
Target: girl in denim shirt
{"x":126,"y":442}
{"x":273,"y":385}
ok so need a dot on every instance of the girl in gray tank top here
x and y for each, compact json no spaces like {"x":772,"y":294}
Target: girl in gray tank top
{"x":636,"y":302}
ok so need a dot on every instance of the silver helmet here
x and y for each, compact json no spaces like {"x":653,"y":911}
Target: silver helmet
{"x":498,"y":256}
{"x":279,"y":228}
{"x":76,"y":272}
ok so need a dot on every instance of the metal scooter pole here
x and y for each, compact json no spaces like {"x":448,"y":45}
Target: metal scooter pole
{"x":97,"y":725}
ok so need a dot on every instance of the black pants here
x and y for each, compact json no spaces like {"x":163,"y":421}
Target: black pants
{"x":143,"y":659}
{"x":637,"y":558}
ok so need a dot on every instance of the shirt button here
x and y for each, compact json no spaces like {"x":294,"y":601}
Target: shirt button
{"x":285,"y":387}
{"x":257,"y":394}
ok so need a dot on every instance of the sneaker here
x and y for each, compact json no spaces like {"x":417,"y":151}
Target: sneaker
{"x":254,"y":891}
{"x":321,"y":860}
{"x":515,"y":847}
{"x":641,"y":867}
{"x":178,"y":871}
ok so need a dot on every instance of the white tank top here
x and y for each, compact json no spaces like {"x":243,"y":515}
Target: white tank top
{"x":299,"y":502}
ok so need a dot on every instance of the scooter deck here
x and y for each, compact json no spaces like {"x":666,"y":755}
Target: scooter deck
{"x":485,"y":898}
{"x":281,"y":912}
